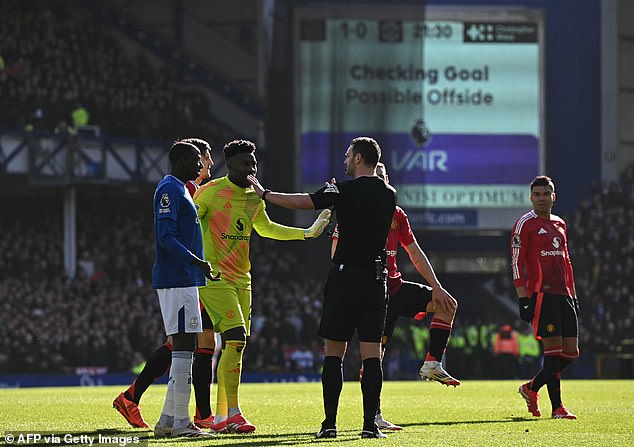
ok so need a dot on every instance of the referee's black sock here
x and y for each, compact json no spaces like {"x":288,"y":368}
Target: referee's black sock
{"x":371,"y":388}
{"x":332,"y":383}
{"x":156,"y":365}
{"x":201,"y":379}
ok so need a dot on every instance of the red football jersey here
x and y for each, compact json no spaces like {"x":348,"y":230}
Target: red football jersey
{"x":192,"y":186}
{"x":539,"y":255}
{"x":400,"y":232}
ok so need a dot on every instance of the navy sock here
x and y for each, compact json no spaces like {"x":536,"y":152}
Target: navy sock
{"x":157,"y":364}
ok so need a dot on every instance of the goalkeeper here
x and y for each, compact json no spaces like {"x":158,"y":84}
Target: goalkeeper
{"x":229,"y":209}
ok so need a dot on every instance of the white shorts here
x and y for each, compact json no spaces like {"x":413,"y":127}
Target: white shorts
{"x":180,"y":309}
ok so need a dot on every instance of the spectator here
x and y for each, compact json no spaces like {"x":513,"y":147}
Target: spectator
{"x":58,"y":66}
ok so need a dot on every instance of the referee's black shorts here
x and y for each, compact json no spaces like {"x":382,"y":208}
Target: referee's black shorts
{"x":353,"y":299}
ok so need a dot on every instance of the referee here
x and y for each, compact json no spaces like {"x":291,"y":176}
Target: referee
{"x":355,"y":293}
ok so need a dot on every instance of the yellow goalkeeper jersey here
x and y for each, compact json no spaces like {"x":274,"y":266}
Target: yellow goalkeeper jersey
{"x":228,"y":214}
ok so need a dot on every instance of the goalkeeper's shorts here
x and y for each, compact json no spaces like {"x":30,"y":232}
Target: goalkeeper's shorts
{"x":228,"y":307}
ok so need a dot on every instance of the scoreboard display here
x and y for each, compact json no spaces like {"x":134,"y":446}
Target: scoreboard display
{"x":453,"y":96}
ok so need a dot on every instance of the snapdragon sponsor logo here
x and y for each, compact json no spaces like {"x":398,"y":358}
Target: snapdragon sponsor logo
{"x":234,"y":237}
{"x":552,"y":252}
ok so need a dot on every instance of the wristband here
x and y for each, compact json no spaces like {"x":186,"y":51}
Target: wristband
{"x":264,"y":193}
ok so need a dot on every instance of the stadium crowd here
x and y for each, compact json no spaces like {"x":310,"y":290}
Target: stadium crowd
{"x":602,"y":249}
{"x":53,"y":63}
{"x":108,"y":313}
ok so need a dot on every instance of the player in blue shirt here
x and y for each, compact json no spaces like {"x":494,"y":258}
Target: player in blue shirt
{"x":158,"y":363}
{"x":178,"y":270}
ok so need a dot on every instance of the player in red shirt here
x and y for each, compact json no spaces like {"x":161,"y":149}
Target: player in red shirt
{"x":159,"y":361}
{"x":543,"y":278}
{"x":414,"y":300}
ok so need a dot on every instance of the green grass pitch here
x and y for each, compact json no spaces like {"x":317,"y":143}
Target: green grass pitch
{"x":477,"y":413}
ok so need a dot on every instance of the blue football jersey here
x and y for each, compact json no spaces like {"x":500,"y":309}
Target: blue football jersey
{"x":178,"y":237}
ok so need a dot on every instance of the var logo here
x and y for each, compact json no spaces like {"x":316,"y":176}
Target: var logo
{"x":427,"y":161}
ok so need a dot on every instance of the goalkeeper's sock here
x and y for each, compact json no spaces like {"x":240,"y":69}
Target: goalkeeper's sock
{"x":332,"y":383}
{"x":229,"y":371}
{"x":439,"y":332}
{"x":221,"y":399}
{"x":201,"y":379}
{"x":157,"y":364}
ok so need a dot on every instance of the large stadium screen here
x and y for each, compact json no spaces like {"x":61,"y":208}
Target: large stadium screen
{"x":453,"y":96}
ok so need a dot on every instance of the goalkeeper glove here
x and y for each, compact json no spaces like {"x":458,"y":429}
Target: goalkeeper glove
{"x":318,"y":226}
{"x":527,"y":309}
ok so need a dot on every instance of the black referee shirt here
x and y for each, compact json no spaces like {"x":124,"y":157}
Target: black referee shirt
{"x":364,"y":207}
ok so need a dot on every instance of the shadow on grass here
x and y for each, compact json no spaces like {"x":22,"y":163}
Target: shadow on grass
{"x":251,"y":439}
{"x":496,"y":421}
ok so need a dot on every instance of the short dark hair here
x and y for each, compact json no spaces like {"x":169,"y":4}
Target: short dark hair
{"x":381,"y":165}
{"x":236,"y":147}
{"x":543,"y":180}
{"x":368,"y":148}
{"x":202,"y":145}
{"x":180,"y":150}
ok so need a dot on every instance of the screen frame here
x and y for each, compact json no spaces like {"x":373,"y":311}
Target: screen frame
{"x":488,"y":218}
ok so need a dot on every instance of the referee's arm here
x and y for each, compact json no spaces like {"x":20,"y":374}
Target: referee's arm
{"x":296,"y":201}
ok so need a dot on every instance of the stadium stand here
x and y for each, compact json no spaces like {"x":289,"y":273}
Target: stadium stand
{"x":108,"y":312}
{"x":56,"y":62}
{"x":602,"y":247}
{"x":53,"y":62}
